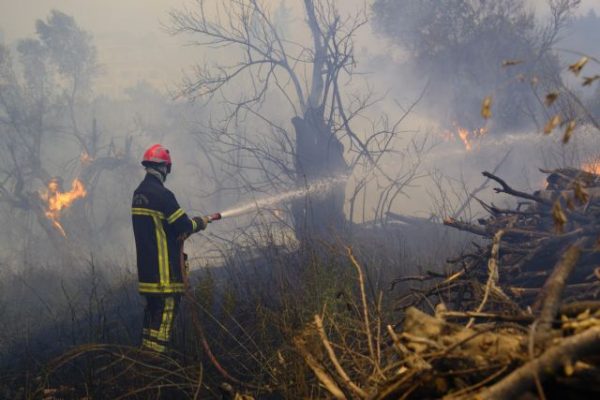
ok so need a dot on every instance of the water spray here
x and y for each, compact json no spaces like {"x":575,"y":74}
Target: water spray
{"x":315,"y":187}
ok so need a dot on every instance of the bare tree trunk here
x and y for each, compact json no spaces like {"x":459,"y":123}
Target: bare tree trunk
{"x":319,"y":155}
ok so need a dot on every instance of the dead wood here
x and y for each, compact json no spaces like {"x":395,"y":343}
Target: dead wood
{"x":561,"y":356}
{"x":549,"y":297}
{"x":508,"y":190}
{"x":508,"y":315}
{"x":318,"y":368}
{"x":464,"y":226}
{"x":526,"y":319}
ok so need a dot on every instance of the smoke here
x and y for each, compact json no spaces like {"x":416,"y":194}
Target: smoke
{"x":131,"y":105}
{"x":450,"y":109}
{"x":139,"y":61}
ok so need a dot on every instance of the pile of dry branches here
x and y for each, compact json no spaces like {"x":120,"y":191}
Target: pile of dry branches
{"x":517,"y":317}
{"x":547,"y":245}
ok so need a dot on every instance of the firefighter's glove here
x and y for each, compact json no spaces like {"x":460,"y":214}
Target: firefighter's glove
{"x":201,"y":223}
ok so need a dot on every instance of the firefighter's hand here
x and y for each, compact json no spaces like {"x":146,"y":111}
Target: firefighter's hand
{"x":201,"y":223}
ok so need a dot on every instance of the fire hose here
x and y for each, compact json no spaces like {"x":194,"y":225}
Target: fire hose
{"x":195,"y":310}
{"x":214,"y":217}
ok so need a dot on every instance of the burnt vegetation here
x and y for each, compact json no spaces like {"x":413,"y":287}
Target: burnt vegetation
{"x":337,"y":293}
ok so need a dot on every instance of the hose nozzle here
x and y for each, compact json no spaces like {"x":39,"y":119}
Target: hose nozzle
{"x":214,"y":217}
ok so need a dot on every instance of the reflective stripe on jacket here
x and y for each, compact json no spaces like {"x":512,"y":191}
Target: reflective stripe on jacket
{"x":159,"y":227}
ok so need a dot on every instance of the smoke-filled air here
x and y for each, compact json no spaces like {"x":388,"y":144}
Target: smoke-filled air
{"x":299,"y":199}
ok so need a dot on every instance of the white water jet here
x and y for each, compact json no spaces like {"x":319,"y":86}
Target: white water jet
{"x":314,"y":187}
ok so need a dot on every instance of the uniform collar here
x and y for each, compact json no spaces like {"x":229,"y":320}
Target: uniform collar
{"x":152,"y":174}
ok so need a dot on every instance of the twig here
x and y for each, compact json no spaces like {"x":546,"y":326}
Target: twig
{"x":464,"y":226}
{"x":488,"y":315}
{"x":319,"y":370}
{"x":334,"y":360}
{"x":200,"y":379}
{"x":363,"y":297}
{"x":531,"y":351}
{"x":508,"y":190}
{"x":480,"y":188}
{"x":493,"y":278}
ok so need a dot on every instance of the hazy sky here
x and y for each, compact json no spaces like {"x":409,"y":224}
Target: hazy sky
{"x":131,"y":43}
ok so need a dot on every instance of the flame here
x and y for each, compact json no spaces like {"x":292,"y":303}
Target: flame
{"x":468,"y":137}
{"x":57,"y":200}
{"x":591,"y":167}
{"x":463,"y":134}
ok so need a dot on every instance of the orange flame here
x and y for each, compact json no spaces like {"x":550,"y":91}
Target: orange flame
{"x":591,"y":167}
{"x":463,"y":134}
{"x":468,"y":137}
{"x":57,"y":200}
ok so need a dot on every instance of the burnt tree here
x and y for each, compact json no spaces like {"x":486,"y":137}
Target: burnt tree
{"x":47,"y":136}
{"x":288,"y":104}
{"x":319,"y":155}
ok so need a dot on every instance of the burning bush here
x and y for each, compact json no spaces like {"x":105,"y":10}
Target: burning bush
{"x":57,"y":200}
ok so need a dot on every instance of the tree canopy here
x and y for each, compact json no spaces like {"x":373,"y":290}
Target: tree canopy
{"x":464,"y":46}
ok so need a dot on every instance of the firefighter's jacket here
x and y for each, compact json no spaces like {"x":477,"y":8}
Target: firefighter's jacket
{"x":160,"y":226}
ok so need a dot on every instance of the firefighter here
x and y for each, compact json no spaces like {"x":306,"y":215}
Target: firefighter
{"x":160,"y":227}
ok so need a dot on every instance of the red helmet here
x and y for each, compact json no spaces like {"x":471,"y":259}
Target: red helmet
{"x":157,"y":154}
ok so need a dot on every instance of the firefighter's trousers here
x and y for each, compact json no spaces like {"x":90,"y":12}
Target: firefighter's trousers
{"x":159,"y":318}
